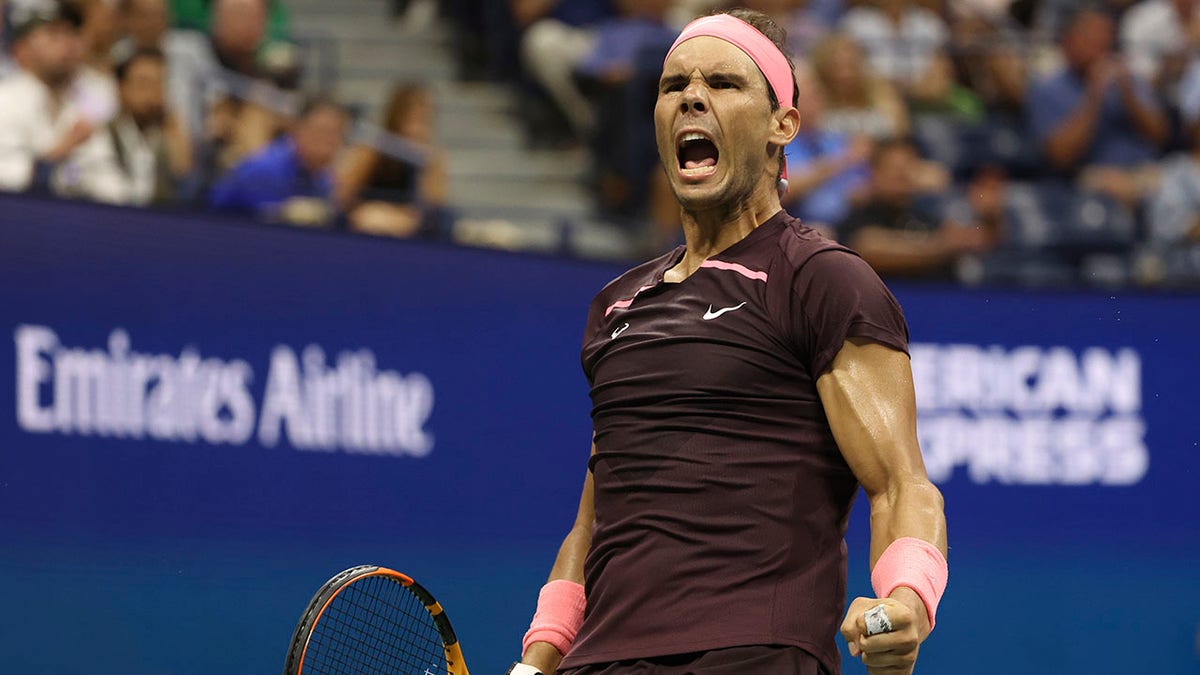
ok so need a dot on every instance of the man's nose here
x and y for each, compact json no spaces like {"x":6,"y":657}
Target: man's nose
{"x":694,"y":99}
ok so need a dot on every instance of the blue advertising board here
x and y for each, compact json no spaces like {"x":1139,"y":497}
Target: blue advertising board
{"x":201,"y":420}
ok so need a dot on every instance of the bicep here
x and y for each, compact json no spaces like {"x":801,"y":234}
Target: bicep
{"x":868,"y":397}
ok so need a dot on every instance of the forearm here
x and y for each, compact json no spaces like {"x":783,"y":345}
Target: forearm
{"x":568,"y":565}
{"x":907,"y":509}
{"x":1071,"y":138}
{"x":910,"y":509}
{"x":1147,"y":120}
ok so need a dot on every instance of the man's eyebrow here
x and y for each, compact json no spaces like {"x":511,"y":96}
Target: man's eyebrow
{"x":676,"y":78}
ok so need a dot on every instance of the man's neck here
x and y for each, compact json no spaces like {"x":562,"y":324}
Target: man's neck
{"x":711,"y":231}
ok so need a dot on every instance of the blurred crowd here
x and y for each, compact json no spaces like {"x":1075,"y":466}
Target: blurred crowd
{"x":1032,"y":141}
{"x":1029,"y":141}
{"x":198,"y":104}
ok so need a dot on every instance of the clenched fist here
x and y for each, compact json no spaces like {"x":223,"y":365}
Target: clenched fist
{"x":893,"y":652}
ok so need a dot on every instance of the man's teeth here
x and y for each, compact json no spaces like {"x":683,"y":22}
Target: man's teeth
{"x":693,"y":137}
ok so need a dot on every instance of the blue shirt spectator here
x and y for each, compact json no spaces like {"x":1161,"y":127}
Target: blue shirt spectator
{"x":826,"y":168}
{"x":828,"y":202}
{"x":1095,"y":111}
{"x":264,"y":181}
{"x":290,"y":179}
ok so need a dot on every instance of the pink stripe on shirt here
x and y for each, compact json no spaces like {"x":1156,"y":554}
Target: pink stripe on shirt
{"x":734,"y":267}
{"x":622,"y":304}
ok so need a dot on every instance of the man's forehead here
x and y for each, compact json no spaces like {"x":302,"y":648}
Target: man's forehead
{"x":708,"y":54}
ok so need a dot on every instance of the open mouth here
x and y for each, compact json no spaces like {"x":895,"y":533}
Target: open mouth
{"x":697,"y":156}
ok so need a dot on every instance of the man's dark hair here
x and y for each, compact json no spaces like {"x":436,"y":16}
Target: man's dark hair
{"x":121,"y":70}
{"x":767,"y":26}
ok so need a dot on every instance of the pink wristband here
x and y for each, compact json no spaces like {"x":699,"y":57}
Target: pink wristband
{"x":914,"y":563}
{"x":558,"y":617}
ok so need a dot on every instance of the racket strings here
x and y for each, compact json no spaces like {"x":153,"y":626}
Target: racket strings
{"x":375,"y":626}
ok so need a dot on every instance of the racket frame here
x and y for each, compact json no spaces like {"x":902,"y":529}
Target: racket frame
{"x":455,"y":665}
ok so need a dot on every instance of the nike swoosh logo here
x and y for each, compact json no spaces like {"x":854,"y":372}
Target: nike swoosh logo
{"x":710,"y":314}
{"x":619,"y":331}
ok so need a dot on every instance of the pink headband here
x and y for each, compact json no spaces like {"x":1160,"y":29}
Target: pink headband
{"x":758,"y":47}
{"x":770,"y":61}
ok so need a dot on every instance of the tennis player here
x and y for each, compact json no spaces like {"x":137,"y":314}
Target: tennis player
{"x":743,"y":387}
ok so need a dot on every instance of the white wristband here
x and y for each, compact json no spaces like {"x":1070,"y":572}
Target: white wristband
{"x":523,"y":669}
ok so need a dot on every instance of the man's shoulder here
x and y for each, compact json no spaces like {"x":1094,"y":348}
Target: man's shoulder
{"x":20,"y":87}
{"x":797,"y":243}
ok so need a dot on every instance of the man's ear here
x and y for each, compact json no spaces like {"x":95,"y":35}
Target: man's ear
{"x":786,"y":126}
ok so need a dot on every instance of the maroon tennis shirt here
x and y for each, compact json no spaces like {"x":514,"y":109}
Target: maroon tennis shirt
{"x":721,"y":497}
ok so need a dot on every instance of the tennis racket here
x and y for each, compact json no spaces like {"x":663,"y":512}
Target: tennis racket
{"x":370,"y":620}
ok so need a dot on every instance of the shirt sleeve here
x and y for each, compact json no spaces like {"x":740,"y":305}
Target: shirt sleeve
{"x":836,"y":296}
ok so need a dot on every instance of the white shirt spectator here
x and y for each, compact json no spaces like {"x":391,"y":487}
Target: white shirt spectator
{"x":31,"y":123}
{"x":128,"y":174}
{"x":901,"y":53}
{"x":1151,"y":31}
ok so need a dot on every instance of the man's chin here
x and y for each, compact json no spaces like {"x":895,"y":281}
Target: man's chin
{"x":700,"y":196}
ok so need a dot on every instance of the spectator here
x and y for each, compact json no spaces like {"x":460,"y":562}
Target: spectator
{"x":41,"y":124}
{"x":143,"y":155}
{"x":384,"y":194}
{"x":1156,"y":36}
{"x":217,"y":85}
{"x":558,"y":35}
{"x":290,"y":180}
{"x":1094,"y":111}
{"x":827,"y":169}
{"x":1159,"y":39}
{"x":990,"y":54}
{"x":858,"y":104}
{"x":940,"y":93}
{"x":1173,"y":205}
{"x":900,"y":37}
{"x":143,"y":23}
{"x":620,"y":75}
{"x":900,"y":238}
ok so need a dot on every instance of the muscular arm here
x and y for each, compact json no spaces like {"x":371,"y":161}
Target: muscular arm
{"x":567,"y":565}
{"x":869,"y":401}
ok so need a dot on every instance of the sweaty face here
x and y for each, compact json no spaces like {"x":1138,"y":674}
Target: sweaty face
{"x":712,"y":121}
